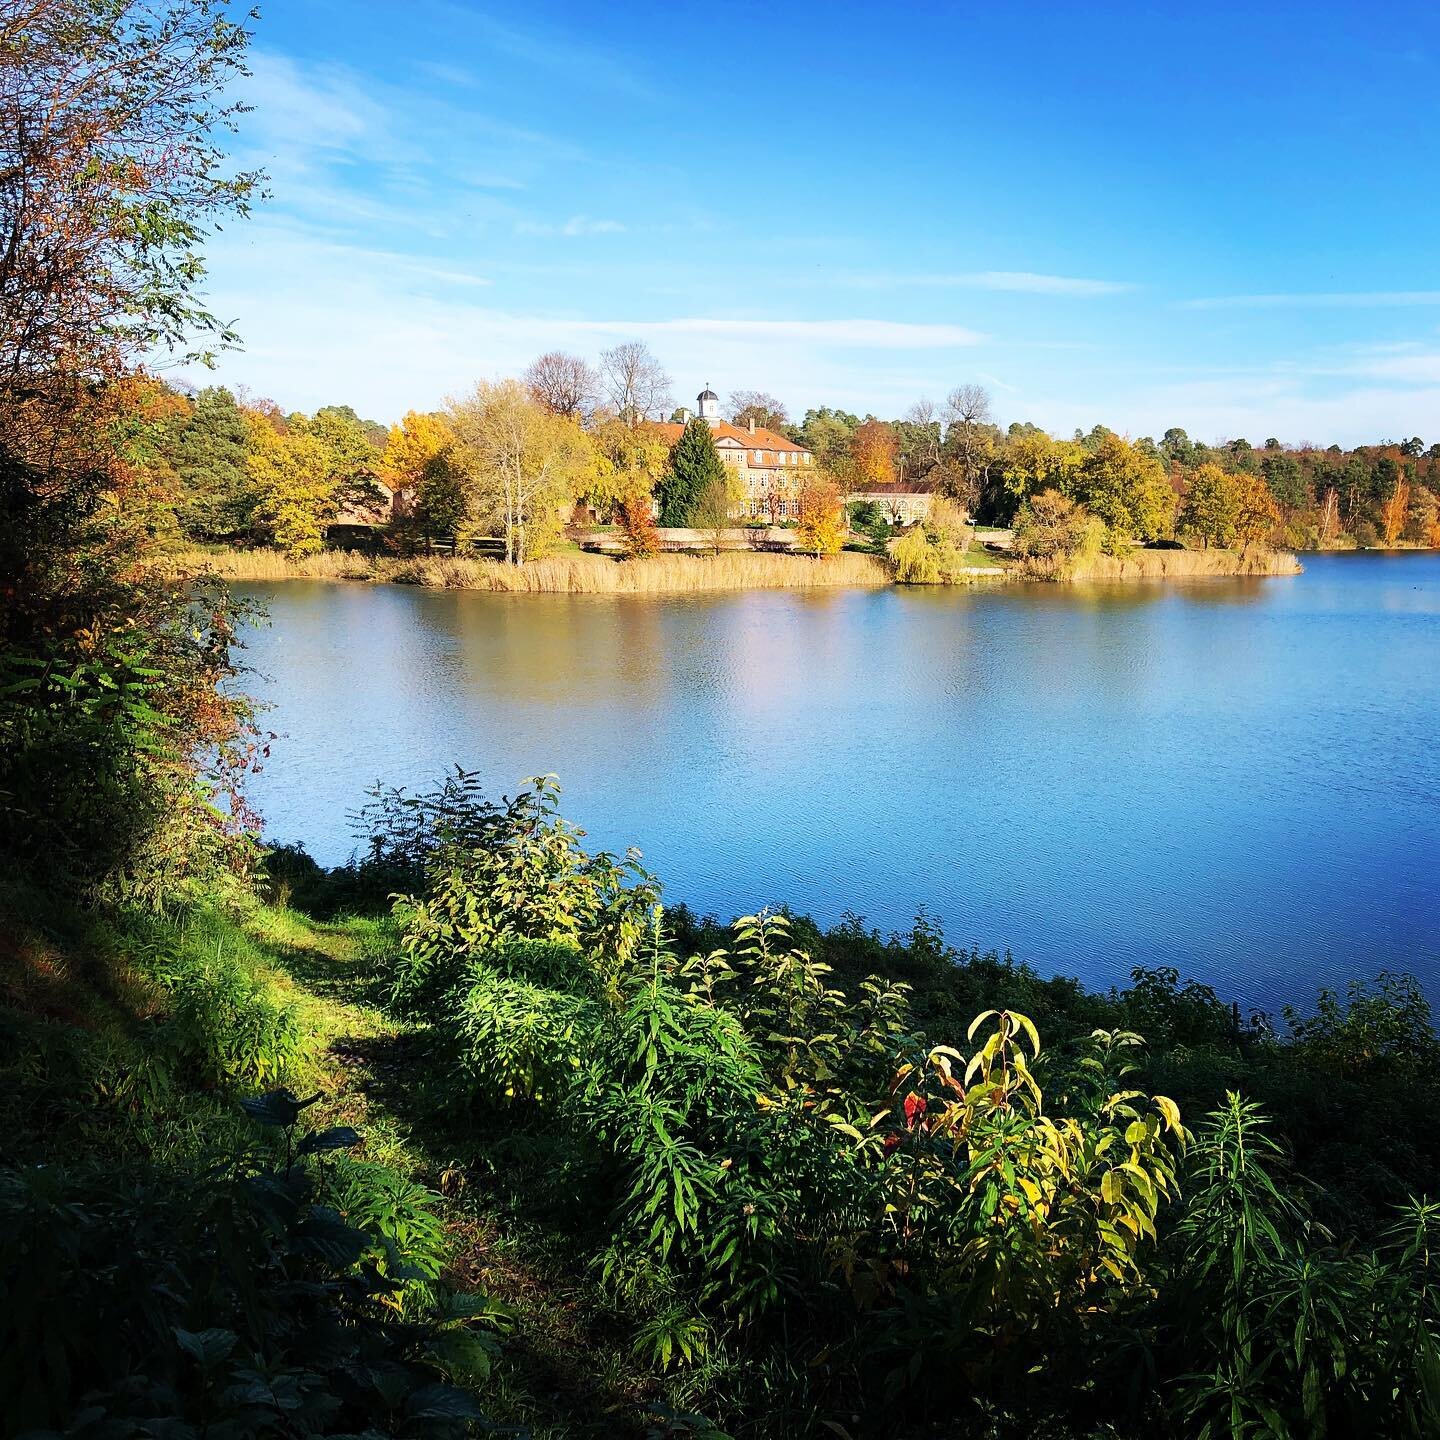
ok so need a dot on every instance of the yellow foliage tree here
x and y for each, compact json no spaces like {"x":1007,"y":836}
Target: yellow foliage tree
{"x":411,"y":448}
{"x":1034,"y":463}
{"x":628,"y":460}
{"x":822,"y":522}
{"x":873,"y":450}
{"x":1395,"y":512}
{"x":1224,"y":509}
{"x":1126,"y":488}
{"x":291,"y":470}
{"x":519,"y":462}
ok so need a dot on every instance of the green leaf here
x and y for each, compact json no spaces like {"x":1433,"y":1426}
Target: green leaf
{"x":338,"y":1137}
{"x":278,"y":1107}
{"x":442,"y":1402}
{"x":208,"y":1347}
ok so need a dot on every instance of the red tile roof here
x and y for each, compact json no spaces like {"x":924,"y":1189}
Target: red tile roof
{"x":724,"y":430}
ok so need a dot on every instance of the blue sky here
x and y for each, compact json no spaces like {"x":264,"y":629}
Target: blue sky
{"x":1221,"y":217}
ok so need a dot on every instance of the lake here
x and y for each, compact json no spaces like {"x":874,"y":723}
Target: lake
{"x":1240,"y":778}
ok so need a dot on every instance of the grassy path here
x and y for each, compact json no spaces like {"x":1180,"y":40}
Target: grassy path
{"x":566,"y":1371}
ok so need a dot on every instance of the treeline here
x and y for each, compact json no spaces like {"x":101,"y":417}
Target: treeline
{"x":516,"y":458}
{"x":1296,"y":496}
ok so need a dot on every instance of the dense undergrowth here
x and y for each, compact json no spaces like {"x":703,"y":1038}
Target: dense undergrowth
{"x":791,"y":1181}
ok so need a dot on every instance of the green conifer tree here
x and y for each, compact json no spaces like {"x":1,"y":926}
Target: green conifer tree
{"x":695,"y":466}
{"x":207,"y":449}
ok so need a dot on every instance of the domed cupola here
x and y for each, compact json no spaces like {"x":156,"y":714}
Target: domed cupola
{"x":708,"y":404}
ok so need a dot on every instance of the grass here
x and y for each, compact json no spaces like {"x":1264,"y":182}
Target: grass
{"x":566,"y":574}
{"x":77,"y":999}
{"x":978,"y":556}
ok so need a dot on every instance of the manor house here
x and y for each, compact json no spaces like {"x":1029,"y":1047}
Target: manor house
{"x":770,"y":465}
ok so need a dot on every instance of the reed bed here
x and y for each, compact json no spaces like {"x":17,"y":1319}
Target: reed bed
{"x":555,"y":575}
{"x":1160,"y":565}
{"x":1186,"y":564}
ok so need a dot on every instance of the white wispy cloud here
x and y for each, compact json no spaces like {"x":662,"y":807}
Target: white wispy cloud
{"x":1338,"y":300}
{"x":858,"y":334}
{"x":575,"y":226}
{"x":566,"y":51}
{"x":1022,"y":282}
{"x":324,"y":320}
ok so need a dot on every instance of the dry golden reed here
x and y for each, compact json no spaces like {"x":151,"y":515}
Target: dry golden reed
{"x":1186,"y":564}
{"x":556,"y":575}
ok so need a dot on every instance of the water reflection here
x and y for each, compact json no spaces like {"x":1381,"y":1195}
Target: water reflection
{"x":1238,"y":777}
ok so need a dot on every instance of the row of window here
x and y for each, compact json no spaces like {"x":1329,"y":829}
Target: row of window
{"x":782,"y":457}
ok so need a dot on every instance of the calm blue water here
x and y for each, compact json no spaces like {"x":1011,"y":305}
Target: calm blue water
{"x":1240,"y":778}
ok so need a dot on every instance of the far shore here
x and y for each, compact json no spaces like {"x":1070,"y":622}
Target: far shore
{"x":588,"y":574}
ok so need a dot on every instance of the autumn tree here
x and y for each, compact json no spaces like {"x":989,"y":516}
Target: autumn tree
{"x":428,"y":497}
{"x":1256,"y":513}
{"x":519,"y":462}
{"x":637,"y":524}
{"x":630,"y":461}
{"x":292,"y":473}
{"x":1395,"y":512}
{"x":563,"y":384}
{"x":1033,"y":463}
{"x":1226,"y":509}
{"x":822,"y":516}
{"x":695,"y":469}
{"x":873,"y":453}
{"x":634,"y":382}
{"x":1125,"y":488}
{"x":412,"y":447}
{"x":1422,"y":525}
{"x":111,"y":176}
{"x":765,"y":410}
{"x":109,"y":122}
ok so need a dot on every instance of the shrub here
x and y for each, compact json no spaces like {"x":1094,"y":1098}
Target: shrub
{"x":915,"y":559}
{"x":514,"y":1041}
{"x":1052,"y":532}
{"x":514,"y":872}
{"x":397,"y":1213}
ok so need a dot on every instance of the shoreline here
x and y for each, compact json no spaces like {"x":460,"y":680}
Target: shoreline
{"x":586,"y":574}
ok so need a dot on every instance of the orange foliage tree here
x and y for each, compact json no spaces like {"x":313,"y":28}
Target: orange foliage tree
{"x":637,"y":522}
{"x":1395,"y":512}
{"x":873,"y":453}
